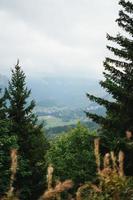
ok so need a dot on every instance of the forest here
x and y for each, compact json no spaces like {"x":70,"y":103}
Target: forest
{"x":88,"y":161}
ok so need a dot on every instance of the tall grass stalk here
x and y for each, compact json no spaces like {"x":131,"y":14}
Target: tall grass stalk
{"x":54,"y":192}
{"x":10,"y":195}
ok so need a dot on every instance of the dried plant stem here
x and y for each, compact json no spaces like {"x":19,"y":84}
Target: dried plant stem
{"x":13,"y":155}
{"x":10,"y":193}
{"x":97,"y":153}
{"x":121,"y":163}
{"x":57,"y":190}
{"x":50,"y":176}
{"x":106,"y":161}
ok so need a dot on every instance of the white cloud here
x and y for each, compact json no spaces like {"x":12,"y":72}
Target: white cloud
{"x":55,"y":37}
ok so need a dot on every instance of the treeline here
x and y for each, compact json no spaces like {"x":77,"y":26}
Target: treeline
{"x":54,"y":131}
{"x":72,"y":155}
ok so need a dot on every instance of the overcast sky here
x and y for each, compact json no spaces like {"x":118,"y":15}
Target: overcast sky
{"x":56,"y":37}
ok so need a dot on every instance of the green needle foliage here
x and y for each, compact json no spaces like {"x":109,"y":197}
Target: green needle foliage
{"x":118,"y":81}
{"x":7,"y":142}
{"x":32,"y":143}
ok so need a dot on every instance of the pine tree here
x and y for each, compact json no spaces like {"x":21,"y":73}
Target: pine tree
{"x":118,"y":81}
{"x":7,"y":142}
{"x":31,"y":140}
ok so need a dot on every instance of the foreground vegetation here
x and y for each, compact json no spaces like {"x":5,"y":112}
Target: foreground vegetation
{"x":111,"y":182}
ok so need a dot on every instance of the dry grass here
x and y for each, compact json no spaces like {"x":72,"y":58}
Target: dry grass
{"x":10,"y":195}
{"x":55,"y":192}
{"x":111,"y":176}
{"x":97,"y":153}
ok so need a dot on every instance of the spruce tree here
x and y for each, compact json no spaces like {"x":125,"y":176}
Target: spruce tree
{"x":7,"y":142}
{"x":118,"y":82}
{"x":32,"y":143}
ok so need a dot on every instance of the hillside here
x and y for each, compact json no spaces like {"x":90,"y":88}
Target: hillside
{"x":61,"y":102}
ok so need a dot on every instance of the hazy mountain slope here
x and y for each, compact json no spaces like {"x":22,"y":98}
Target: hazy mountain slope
{"x":64,"y":91}
{"x":3,"y":82}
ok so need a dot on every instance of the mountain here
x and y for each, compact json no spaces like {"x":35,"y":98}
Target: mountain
{"x":61,"y":91}
{"x":3,"y":82}
{"x":61,"y":101}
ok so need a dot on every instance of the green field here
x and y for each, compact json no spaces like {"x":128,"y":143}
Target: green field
{"x":55,"y":122}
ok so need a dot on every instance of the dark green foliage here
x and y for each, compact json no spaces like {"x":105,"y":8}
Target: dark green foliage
{"x":7,"y":142}
{"x":126,"y":145}
{"x":20,"y":109}
{"x":118,"y":81}
{"x":72,"y":156}
{"x":32,"y":143}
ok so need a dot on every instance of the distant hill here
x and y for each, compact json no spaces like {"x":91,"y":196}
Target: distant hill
{"x":52,"y":132}
{"x":61,"y":102}
{"x":60,"y":91}
{"x":66,"y":91}
{"x":3,"y":82}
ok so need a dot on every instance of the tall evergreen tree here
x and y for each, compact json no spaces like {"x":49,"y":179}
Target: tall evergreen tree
{"x":7,"y":142}
{"x":31,"y":140}
{"x":118,"y":81}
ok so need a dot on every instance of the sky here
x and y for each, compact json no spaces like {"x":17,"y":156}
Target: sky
{"x":56,"y":37}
